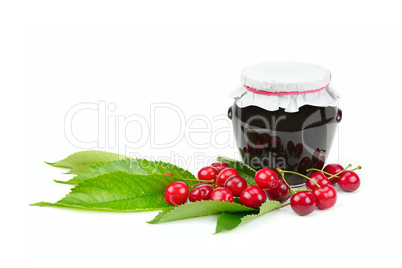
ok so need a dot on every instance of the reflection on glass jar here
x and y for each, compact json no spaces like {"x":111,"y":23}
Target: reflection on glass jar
{"x":290,"y":141}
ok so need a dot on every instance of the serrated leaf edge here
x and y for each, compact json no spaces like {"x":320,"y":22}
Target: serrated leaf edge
{"x":63,"y":166}
{"x":242,"y":219}
{"x":158,"y":163}
{"x":222,"y":159}
{"x":49,"y":204}
{"x":170,"y":210}
{"x":73,"y":190}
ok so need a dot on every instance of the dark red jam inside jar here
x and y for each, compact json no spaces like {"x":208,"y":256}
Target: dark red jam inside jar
{"x":273,"y":130}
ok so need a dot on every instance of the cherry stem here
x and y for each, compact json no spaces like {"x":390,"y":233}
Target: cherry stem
{"x":197,"y":184}
{"x":293,"y":172}
{"x":201,"y":182}
{"x":283,"y":178}
{"x":356,"y":168}
{"x":206,"y":181}
{"x":302,"y":190}
{"x":336,"y":175}
{"x":322,"y":171}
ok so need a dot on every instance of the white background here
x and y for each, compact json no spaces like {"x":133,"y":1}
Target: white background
{"x":55,"y":55}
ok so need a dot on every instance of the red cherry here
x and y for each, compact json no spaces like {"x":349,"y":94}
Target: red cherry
{"x":207,"y":173}
{"x":176,"y":193}
{"x":325,"y":197}
{"x":236,"y":185}
{"x":266,"y":178}
{"x":333,"y":169}
{"x":280,"y":193}
{"x":349,"y":181}
{"x":303,"y":203}
{"x":319,"y":178}
{"x":202,"y":192}
{"x":253,"y":197}
{"x":224,"y":175}
{"x":170,"y":174}
{"x":219,"y":166}
{"x":222,"y":194}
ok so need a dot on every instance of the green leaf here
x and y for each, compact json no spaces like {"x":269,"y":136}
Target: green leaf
{"x":133,"y":166}
{"x":118,"y":191}
{"x":79,"y":169}
{"x":244,"y":170}
{"x":80,"y":161}
{"x":198,"y":209}
{"x":228,"y":221}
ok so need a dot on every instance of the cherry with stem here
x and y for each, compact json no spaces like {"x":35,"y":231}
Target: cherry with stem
{"x":337,"y":174}
{"x":287,"y":184}
{"x":327,"y":173}
{"x":322,"y":171}
{"x":349,"y":180}
{"x":293,"y":172}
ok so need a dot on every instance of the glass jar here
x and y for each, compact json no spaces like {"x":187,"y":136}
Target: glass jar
{"x":285,"y":115}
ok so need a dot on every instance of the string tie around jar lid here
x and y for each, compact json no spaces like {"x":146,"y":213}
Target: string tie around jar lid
{"x":284,"y":93}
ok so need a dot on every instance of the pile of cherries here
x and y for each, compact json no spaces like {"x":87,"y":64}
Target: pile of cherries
{"x":222,"y":183}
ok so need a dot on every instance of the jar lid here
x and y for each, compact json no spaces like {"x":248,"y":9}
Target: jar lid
{"x":287,"y":85}
{"x":280,"y":76}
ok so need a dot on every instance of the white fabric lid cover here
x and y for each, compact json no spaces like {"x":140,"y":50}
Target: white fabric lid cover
{"x":288,"y":83}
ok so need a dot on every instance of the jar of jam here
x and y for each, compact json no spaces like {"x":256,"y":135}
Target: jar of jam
{"x":285,"y":115}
